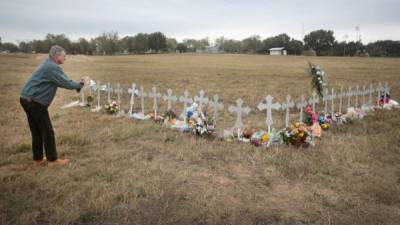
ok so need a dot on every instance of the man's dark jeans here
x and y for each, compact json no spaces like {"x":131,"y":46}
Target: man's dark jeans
{"x":41,"y":130}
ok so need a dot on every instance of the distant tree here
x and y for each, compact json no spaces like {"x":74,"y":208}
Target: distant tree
{"x":126,"y":44}
{"x":0,"y":42}
{"x":157,"y":41}
{"x":58,"y":39}
{"x":252,"y":44}
{"x":140,"y":43}
{"x":25,"y":47}
{"x":181,"y":47}
{"x":107,"y":43}
{"x":228,"y":45}
{"x":204,"y":43}
{"x":8,"y":46}
{"x":40,"y":46}
{"x":384,"y":48}
{"x":321,"y":41}
{"x":191,"y":44}
{"x":171,"y":44}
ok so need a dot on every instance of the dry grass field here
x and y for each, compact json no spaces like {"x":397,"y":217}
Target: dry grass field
{"x":138,"y":172}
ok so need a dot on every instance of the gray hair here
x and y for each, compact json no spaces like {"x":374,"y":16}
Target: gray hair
{"x":56,"y":50}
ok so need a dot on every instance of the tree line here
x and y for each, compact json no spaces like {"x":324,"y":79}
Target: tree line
{"x":318,"y":42}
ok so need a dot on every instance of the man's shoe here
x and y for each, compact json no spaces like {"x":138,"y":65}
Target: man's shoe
{"x":38,"y":162}
{"x":59,"y":162}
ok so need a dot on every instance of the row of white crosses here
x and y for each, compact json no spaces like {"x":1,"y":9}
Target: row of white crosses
{"x":268,"y":106}
{"x":329,"y":97}
{"x":169,"y":98}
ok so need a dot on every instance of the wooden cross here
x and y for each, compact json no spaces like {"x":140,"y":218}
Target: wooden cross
{"x":341,"y":95}
{"x":133,"y":91}
{"x":349,"y":94}
{"x":97,"y":87}
{"x":239,"y":111}
{"x":287,"y":106}
{"x":386,"y":90}
{"x":201,"y":99}
{"x":216,"y":107}
{"x":364,"y":93}
{"x":268,"y":107}
{"x":370,"y":91}
{"x":186,"y":100}
{"x":332,"y":98}
{"x":300,"y":105}
{"x":83,"y":100}
{"x":109,"y":90}
{"x":154,"y":94}
{"x":142,"y":95}
{"x":313,"y":100}
{"x":325,"y":99}
{"x":169,"y":98}
{"x":378,"y":90}
{"x":357,"y":93}
{"x":118,"y":90}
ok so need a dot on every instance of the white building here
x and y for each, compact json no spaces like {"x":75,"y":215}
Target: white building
{"x":277,"y":51}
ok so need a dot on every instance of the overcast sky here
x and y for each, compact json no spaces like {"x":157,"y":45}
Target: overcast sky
{"x":24,"y":20}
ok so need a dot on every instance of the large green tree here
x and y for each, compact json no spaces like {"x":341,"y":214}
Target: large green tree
{"x":140,"y":43}
{"x":107,"y":43}
{"x":321,"y":41}
{"x":157,"y":41}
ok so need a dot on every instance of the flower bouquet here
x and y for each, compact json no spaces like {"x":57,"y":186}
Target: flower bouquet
{"x":89,"y":100}
{"x":297,"y":134}
{"x":325,"y":120}
{"x":111,"y":108}
{"x":317,"y":78}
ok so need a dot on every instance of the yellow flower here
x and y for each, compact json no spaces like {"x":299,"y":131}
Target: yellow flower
{"x":325,"y":126}
{"x":297,"y":124}
{"x":301,"y":134}
{"x":265,"y":138}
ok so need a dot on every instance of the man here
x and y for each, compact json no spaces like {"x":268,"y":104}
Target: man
{"x":37,"y":95}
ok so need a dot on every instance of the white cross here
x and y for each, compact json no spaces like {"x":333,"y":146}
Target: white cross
{"x":349,"y":94}
{"x":378,"y":90}
{"x":313,"y":100}
{"x":216,"y":106}
{"x":364,"y":93}
{"x":286,"y":106}
{"x":201,"y":99}
{"x":300,"y":105}
{"x":357,"y":93}
{"x":109,"y":90}
{"x":118,"y":90}
{"x":83,"y":100}
{"x":97,"y":87}
{"x":370,"y":91}
{"x":332,"y":98}
{"x":133,"y":91}
{"x":386,"y":90}
{"x":239,"y":110}
{"x":154,"y":94}
{"x":169,"y":98}
{"x":142,"y":95}
{"x":341,"y":95}
{"x":268,"y":107}
{"x":325,"y":99}
{"x":186,"y":100}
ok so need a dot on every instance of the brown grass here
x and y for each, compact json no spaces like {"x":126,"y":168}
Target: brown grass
{"x":132,"y":172}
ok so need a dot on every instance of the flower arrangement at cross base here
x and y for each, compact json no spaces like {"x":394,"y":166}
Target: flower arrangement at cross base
{"x":297,"y":134}
{"x":111,"y":108}
{"x":198,"y":121}
{"x":325,"y":120}
{"x":89,"y":100}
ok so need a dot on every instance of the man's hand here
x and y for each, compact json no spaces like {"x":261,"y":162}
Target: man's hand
{"x":85,"y":80}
